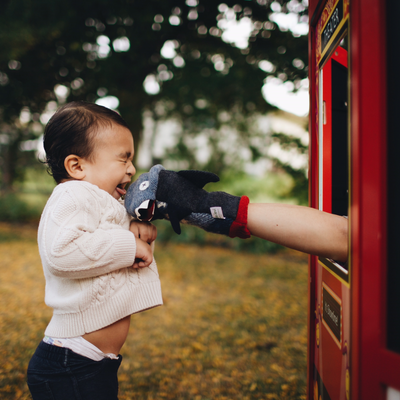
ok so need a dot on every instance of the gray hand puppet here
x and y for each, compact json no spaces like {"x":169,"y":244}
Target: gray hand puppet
{"x":180,"y":198}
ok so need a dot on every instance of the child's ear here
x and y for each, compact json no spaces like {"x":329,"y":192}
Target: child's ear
{"x":74,"y":166}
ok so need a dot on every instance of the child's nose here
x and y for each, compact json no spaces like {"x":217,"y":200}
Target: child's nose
{"x":131,"y":169}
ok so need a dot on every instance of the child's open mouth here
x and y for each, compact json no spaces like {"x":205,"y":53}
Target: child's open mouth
{"x":120,"y":189}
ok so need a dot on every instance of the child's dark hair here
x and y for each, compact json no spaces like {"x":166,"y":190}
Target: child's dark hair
{"x":71,"y":131}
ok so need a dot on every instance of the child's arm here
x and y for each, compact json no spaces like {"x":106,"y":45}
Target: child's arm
{"x":73,"y":245}
{"x":145,"y":234}
{"x":144,"y":254}
{"x":301,"y":228}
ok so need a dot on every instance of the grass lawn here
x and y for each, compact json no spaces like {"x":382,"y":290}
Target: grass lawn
{"x":233,"y":325}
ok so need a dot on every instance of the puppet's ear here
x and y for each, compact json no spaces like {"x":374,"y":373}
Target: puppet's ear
{"x":74,"y":166}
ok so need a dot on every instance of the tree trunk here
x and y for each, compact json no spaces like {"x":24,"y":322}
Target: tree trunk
{"x":11,"y":154}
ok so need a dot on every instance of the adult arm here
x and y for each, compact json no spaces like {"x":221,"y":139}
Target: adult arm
{"x":301,"y":228}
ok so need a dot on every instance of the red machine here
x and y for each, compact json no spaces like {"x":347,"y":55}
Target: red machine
{"x":354,"y":308}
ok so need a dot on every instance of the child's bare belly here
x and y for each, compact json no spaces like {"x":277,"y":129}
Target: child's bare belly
{"x":111,"y":338}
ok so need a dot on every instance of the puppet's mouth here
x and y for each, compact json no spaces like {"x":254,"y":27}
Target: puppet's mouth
{"x":145,"y":212}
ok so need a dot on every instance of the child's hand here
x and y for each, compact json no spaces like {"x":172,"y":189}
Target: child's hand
{"x":144,"y":231}
{"x":144,"y":254}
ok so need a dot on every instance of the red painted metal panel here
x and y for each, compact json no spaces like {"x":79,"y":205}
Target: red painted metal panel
{"x":328,"y":358}
{"x":373,"y":367}
{"x":327,"y":138}
{"x":368,"y":205}
{"x":312,"y":5}
{"x":313,"y":202}
{"x":313,"y":192}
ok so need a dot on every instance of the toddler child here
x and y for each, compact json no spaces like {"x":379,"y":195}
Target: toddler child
{"x":97,"y":272}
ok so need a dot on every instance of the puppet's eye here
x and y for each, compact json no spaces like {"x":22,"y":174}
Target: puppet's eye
{"x":144,"y":185}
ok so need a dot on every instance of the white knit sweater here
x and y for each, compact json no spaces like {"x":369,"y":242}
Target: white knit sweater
{"x":87,"y":252}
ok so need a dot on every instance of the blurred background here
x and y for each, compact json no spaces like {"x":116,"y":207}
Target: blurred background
{"x":203,"y":84}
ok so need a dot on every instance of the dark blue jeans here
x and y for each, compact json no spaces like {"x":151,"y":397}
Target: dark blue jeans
{"x":57,"y":373}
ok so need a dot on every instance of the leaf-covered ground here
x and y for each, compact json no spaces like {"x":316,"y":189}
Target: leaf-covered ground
{"x":233,"y":325}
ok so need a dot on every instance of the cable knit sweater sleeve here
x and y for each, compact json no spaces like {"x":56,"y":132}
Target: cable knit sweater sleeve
{"x":84,"y":232}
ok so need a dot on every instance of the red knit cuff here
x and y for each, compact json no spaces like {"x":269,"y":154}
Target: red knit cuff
{"x":239,"y":226}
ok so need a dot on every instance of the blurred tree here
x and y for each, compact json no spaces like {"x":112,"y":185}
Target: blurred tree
{"x":170,"y":58}
{"x":299,"y":190}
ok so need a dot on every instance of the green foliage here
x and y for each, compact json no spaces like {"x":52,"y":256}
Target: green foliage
{"x":44,"y":44}
{"x":289,"y":142}
{"x":299,"y":187}
{"x":14,"y":208}
{"x":270,"y":188}
{"x":36,"y":182}
{"x":26,"y":202}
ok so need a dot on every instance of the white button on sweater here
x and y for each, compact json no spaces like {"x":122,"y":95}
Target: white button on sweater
{"x":87,"y":252}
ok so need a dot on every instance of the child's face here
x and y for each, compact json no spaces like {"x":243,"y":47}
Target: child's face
{"x":111,"y":168}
